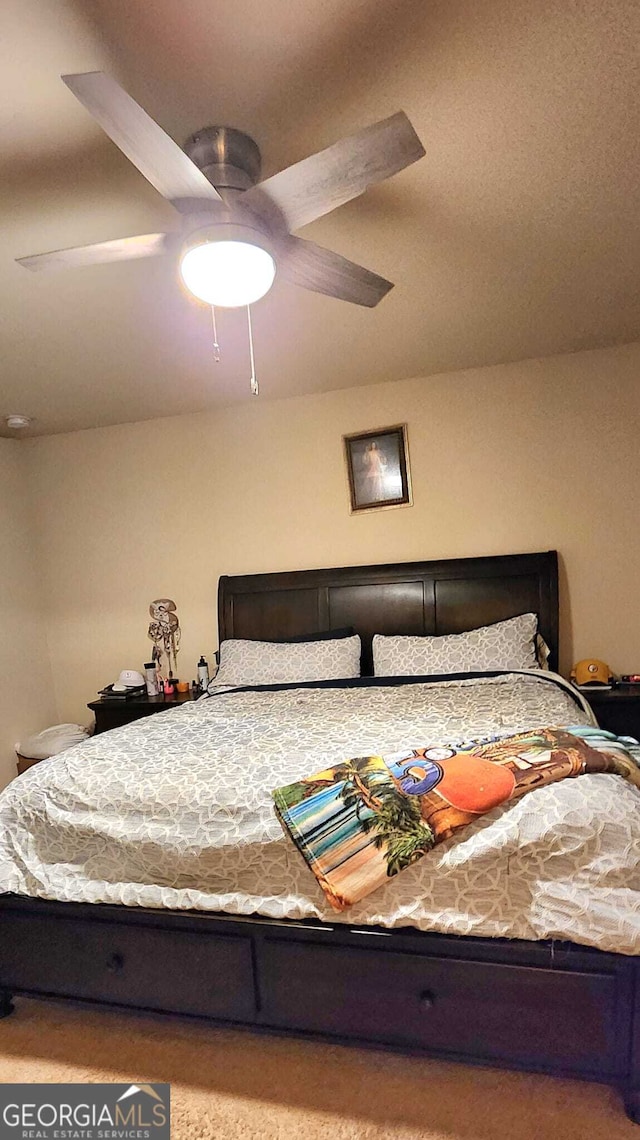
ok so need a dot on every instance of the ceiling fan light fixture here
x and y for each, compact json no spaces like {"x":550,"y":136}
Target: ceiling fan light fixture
{"x":226,"y":157}
{"x":228,"y":266}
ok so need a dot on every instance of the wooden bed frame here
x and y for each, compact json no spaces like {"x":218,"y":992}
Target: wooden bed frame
{"x":551,"y":1007}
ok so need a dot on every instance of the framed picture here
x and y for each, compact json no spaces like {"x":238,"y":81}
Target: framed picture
{"x":378,"y":468}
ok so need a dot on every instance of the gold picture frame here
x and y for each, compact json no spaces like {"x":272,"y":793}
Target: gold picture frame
{"x":378,"y":468}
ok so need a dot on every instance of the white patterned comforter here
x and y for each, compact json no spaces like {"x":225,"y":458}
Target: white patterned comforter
{"x":175,"y":811}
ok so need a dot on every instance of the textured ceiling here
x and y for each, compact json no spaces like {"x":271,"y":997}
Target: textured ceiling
{"x":517,"y":235}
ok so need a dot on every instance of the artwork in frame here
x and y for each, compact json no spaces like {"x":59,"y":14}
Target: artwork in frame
{"x":378,"y":468}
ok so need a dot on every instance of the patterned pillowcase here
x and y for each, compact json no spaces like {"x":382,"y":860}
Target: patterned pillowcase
{"x":506,"y":645}
{"x":273,"y":663}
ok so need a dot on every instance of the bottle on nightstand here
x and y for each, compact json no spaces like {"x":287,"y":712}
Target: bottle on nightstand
{"x":151,"y":676}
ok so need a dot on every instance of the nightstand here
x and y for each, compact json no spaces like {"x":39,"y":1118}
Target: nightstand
{"x":24,"y":763}
{"x":113,"y":714}
{"x":617,"y":710}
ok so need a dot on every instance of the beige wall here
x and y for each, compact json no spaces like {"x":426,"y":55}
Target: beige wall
{"x":513,"y":458}
{"x":26,"y":693}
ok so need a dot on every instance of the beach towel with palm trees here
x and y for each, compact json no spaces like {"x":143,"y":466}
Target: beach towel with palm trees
{"x":362,"y":821}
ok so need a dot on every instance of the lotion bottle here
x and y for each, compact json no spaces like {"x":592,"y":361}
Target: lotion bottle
{"x":203,"y":673}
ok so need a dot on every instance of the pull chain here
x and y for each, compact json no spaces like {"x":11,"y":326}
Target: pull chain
{"x":216,"y":346}
{"x":254,"y":380}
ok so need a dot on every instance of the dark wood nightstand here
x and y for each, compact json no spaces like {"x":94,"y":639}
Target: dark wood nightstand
{"x":618,"y":709}
{"x":113,"y":714}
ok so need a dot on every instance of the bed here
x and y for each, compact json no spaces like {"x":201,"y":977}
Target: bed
{"x":485,"y":961}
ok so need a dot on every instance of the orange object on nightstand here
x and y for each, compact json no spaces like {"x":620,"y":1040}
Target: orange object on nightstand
{"x":591,"y":671}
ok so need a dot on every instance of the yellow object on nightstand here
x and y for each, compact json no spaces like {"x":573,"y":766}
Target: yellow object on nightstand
{"x":591,"y":671}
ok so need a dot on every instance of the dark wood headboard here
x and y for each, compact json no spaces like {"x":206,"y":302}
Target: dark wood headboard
{"x":448,"y":596}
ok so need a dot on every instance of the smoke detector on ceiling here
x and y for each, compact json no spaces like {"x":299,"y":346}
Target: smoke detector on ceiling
{"x":17,"y":422}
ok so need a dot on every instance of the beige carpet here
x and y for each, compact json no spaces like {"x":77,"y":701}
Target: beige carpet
{"x":231,"y":1084}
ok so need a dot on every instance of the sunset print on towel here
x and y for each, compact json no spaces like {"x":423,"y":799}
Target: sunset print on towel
{"x":360,"y":822}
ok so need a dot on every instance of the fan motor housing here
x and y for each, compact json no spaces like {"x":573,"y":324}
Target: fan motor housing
{"x":229,"y":230}
{"x":230,"y":159}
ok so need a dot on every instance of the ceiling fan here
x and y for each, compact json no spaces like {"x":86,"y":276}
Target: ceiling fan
{"x":235,"y":231}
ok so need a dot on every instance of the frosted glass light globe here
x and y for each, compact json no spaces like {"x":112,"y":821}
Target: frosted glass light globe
{"x":228,"y":273}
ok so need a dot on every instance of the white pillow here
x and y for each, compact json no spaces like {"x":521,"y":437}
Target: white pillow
{"x":271,"y":663}
{"x":506,"y":645}
{"x":51,"y":741}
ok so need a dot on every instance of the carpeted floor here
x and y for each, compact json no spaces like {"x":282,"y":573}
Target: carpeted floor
{"x":232,"y":1085}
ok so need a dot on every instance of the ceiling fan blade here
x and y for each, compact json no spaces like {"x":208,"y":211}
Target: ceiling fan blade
{"x":145,"y":144}
{"x":122,"y":249}
{"x":325,"y":180}
{"x":323,"y":271}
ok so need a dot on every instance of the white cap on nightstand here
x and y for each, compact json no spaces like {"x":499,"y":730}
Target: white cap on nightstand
{"x":129,"y":679}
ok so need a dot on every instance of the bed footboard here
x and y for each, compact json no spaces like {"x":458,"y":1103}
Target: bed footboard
{"x":6,"y":1004}
{"x":631,"y":1098}
{"x":547,"y":1007}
